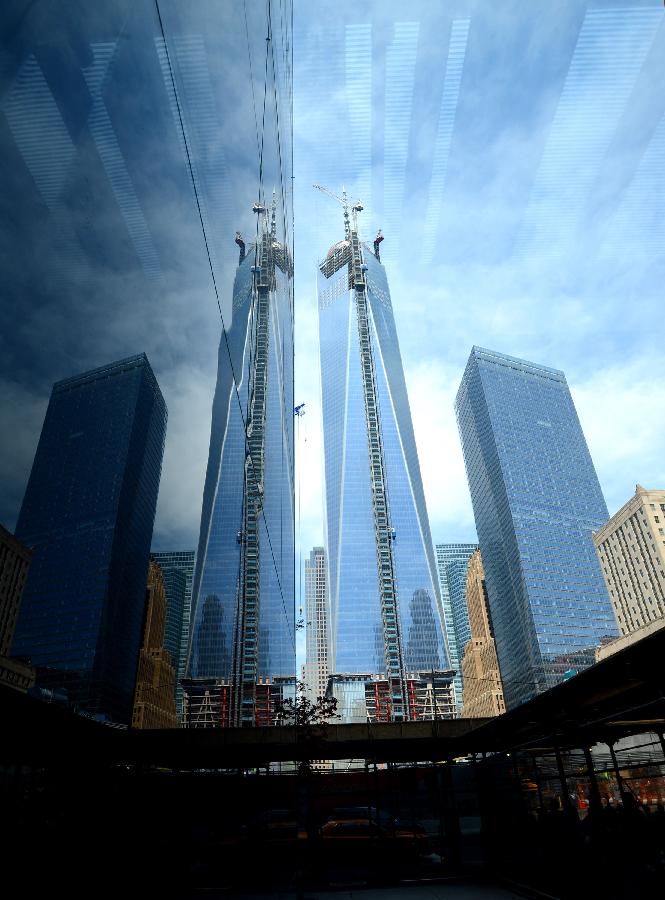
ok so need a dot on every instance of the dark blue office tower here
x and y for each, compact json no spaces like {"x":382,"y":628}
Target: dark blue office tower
{"x":88,"y":513}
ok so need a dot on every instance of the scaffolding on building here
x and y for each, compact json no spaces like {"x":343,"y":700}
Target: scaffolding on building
{"x":207,"y":702}
{"x":368,"y":697}
{"x":249,"y":705}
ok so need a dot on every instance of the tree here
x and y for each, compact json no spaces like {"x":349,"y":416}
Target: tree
{"x":310,"y":718}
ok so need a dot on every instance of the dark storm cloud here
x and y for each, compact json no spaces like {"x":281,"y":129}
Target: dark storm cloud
{"x":102,"y":249}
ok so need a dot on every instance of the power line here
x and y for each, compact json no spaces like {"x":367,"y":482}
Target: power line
{"x":209,"y":257}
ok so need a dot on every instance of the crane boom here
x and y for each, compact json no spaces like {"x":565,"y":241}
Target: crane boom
{"x":344,"y":202}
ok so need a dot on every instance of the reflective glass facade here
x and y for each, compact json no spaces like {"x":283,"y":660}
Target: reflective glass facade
{"x":135,"y":139}
{"x":536,"y":500}
{"x":178,"y":569}
{"x":175,"y":585}
{"x":217,"y":587}
{"x":128,"y":139}
{"x":88,"y":512}
{"x":452,"y":563}
{"x":357,"y":640}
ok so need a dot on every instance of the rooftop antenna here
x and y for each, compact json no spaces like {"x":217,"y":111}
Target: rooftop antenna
{"x":273,"y":221}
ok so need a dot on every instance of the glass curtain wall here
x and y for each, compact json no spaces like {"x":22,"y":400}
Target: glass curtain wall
{"x":536,"y":500}
{"x":356,"y":625}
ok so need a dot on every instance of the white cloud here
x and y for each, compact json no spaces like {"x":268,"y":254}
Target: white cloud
{"x":188,"y":394}
{"x":21,"y":416}
{"x":432,"y":387}
{"x":621,"y":409}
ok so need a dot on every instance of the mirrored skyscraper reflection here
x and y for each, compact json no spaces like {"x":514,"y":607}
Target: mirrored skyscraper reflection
{"x":135,"y":139}
{"x":243,"y":628}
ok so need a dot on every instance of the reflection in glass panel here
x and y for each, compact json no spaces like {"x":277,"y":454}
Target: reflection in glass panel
{"x":136,"y":139}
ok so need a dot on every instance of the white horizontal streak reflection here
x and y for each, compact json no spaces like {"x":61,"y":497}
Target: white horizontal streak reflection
{"x":639,"y":222}
{"x":39,"y":131}
{"x":400,"y":75}
{"x":106,"y":141}
{"x":608,"y":57}
{"x":198,"y":130}
{"x":453,"y":78}
{"x":358,"y":79}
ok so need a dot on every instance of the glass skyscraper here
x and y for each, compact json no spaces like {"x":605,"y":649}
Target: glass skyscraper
{"x":178,"y":569}
{"x":243,"y":622}
{"x":88,"y":514}
{"x":536,"y":500}
{"x":452,"y":562}
{"x":384,"y":601}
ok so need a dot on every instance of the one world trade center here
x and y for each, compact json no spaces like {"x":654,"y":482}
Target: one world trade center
{"x":388,"y":653}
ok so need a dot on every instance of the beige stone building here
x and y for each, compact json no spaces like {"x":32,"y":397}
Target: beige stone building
{"x":482,"y":693}
{"x":612,"y":647}
{"x":631,"y":550}
{"x":14,"y":564}
{"x":154,"y":698}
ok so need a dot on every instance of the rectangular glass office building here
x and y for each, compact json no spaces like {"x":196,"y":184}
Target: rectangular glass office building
{"x":178,"y":569}
{"x":536,"y":499}
{"x":452,"y":562}
{"x":88,"y":514}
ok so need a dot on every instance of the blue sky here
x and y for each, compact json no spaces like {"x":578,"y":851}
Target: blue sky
{"x":514,"y":155}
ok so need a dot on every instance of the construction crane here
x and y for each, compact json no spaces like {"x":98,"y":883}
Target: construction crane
{"x":344,"y":201}
{"x":383,"y":530}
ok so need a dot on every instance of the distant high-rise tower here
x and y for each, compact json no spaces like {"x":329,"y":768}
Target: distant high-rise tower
{"x":177,"y":566}
{"x":154,"y":698}
{"x":452,"y":561}
{"x":243,"y":622}
{"x":384,"y":600}
{"x":483,"y":691}
{"x":316,"y":625}
{"x":88,"y":514}
{"x":536,"y":500}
